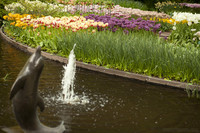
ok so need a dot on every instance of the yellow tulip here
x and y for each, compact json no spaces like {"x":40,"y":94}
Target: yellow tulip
{"x":13,"y":23}
{"x":5,"y":17}
{"x":10,"y":14}
{"x":17,"y":24}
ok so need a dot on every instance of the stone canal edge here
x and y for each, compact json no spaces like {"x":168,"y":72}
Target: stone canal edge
{"x":114,"y":72}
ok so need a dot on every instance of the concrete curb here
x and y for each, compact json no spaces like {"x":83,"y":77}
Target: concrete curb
{"x":129,"y":75}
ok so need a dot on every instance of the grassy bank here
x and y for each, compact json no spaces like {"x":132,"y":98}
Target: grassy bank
{"x":139,"y":52}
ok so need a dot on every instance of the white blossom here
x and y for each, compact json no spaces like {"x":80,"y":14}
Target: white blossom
{"x":174,"y":27}
{"x":190,"y":17}
{"x":193,"y":29}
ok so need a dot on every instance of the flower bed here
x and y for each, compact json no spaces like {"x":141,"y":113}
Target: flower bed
{"x":140,"y":52}
{"x":189,"y":17}
{"x":74,"y":23}
{"x":132,"y":25}
{"x":117,"y":11}
{"x":184,"y":33}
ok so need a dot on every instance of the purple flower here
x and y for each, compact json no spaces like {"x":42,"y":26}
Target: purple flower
{"x":126,"y":31}
{"x":139,"y":19}
{"x":146,"y":28}
{"x":114,"y":29}
{"x":114,"y":23}
{"x":157,"y":26}
{"x":132,"y":19}
{"x":139,"y":27}
{"x":150,"y":25}
{"x":160,"y":32}
{"x":123,"y":26}
{"x":133,"y":26}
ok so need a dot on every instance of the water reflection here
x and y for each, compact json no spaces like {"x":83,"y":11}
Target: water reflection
{"x":116,"y":105}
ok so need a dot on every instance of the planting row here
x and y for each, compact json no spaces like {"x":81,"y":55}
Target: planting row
{"x":76,"y":23}
{"x":170,"y":7}
{"x":40,"y":8}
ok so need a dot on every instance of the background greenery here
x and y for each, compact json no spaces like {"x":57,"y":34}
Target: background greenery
{"x":151,"y":3}
{"x":2,"y":10}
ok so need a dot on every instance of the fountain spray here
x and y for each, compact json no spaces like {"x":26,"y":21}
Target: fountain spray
{"x":68,"y":94}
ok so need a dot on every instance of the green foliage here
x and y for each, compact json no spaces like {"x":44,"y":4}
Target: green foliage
{"x":6,"y":77}
{"x":165,"y":26}
{"x":49,"y":1}
{"x":188,"y":9}
{"x":192,"y":93}
{"x":130,"y":4}
{"x":184,"y":35}
{"x":169,"y":7}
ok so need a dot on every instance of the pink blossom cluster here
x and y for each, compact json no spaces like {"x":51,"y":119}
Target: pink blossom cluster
{"x":119,"y":11}
{"x":84,"y":9}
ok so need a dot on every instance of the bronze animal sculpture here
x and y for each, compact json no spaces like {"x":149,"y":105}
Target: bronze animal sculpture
{"x":25,"y":97}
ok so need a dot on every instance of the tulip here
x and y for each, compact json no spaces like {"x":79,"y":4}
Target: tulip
{"x":193,"y":29}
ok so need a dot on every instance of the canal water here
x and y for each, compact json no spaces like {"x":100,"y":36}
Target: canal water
{"x":116,"y":105}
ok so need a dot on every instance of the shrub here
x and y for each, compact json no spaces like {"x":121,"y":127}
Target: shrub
{"x":167,"y":7}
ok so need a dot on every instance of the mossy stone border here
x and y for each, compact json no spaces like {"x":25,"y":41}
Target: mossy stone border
{"x":129,"y":75}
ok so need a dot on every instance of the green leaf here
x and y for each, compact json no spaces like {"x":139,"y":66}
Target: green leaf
{"x":41,"y":44}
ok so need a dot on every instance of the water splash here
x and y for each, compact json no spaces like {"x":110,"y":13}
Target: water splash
{"x":68,"y":94}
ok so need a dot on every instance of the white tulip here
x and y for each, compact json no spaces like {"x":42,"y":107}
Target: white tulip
{"x":193,"y":29}
{"x":174,"y":27}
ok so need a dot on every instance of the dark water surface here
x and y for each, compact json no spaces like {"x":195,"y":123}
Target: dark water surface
{"x":117,"y":105}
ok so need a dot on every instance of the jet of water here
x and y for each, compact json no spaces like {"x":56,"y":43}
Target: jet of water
{"x":69,"y":76}
{"x":68,"y":81}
